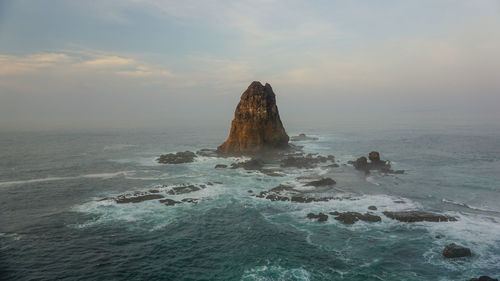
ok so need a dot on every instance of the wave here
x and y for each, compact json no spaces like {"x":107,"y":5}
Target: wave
{"x":468,"y":206}
{"x":49,"y":179}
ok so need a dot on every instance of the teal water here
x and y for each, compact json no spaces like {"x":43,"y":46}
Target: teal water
{"x":52,"y":226}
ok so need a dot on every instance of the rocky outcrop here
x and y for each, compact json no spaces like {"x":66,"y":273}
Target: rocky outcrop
{"x":375,"y":163}
{"x":320,"y":217}
{"x":483,"y":278}
{"x":321,"y":182}
{"x":302,"y":137}
{"x":352,"y":217}
{"x":418,"y":216}
{"x":177,"y":158}
{"x":455,"y":251}
{"x":256,"y":126}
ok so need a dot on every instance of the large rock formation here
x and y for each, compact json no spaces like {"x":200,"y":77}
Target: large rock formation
{"x":256,"y":126}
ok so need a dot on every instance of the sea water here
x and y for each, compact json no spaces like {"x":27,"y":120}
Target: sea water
{"x":53,"y":226}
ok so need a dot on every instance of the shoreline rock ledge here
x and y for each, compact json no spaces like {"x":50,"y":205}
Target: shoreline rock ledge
{"x":256,"y":126}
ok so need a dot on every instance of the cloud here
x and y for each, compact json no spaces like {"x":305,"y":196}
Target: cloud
{"x":14,"y":65}
{"x":108,"y":62}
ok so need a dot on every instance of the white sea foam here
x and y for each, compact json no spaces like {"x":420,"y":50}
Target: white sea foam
{"x":49,"y":179}
{"x":274,"y":272}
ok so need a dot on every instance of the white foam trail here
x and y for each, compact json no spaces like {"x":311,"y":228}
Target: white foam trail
{"x":271,"y":272}
{"x":467,"y":206}
{"x":48,"y":179}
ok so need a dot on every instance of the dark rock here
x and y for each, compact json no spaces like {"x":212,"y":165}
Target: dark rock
{"x":271,"y":173}
{"x":455,"y":251}
{"x":399,"y":201}
{"x":352,"y":217}
{"x":207,"y":152}
{"x":373,"y":208}
{"x":374,"y":156}
{"x":170,"y":202}
{"x":361,"y":163}
{"x":375,"y":163}
{"x":256,"y":126}
{"x":483,"y":278}
{"x":334,"y":213}
{"x":252,"y":164}
{"x":177,"y":158}
{"x":250,"y":191}
{"x":122,"y":199}
{"x":418,"y":216}
{"x":137,"y":199}
{"x":308,"y":161}
{"x":320,"y":217}
{"x":190,"y":200}
{"x":322,"y":182}
{"x":154,"y":191}
{"x":220,"y":166}
{"x":182,"y":189}
{"x":302,"y":137}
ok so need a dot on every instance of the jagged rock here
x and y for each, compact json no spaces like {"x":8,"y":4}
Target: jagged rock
{"x":374,"y":156}
{"x":122,"y":199}
{"x":170,"y":202}
{"x":177,"y":158}
{"x":374,"y":164}
{"x":252,"y":164}
{"x":320,"y":217}
{"x":220,"y":166}
{"x":190,"y":200}
{"x":455,"y":251}
{"x":418,"y":216}
{"x":352,"y":217}
{"x":483,"y":278}
{"x":302,"y":137}
{"x":308,"y":161}
{"x":256,"y":126}
{"x":322,"y":182}
{"x":182,"y":189}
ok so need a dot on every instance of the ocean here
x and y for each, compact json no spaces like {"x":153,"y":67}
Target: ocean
{"x":54,"y":225}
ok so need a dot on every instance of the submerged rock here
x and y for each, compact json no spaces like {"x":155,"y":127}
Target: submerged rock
{"x":308,"y":161}
{"x":252,"y":164}
{"x":122,"y":199}
{"x":321,"y":182}
{"x":456,"y":251}
{"x":373,"y":208}
{"x":302,"y":137}
{"x":170,"y":202}
{"x":483,"y":278}
{"x":182,"y":189}
{"x":418,"y":216}
{"x":320,"y":217}
{"x":220,"y":166}
{"x":177,"y":158}
{"x":256,"y":126}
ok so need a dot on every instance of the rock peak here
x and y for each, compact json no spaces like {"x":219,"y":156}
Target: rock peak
{"x":256,"y":125}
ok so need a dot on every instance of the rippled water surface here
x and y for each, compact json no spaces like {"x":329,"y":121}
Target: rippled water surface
{"x":53,"y":226}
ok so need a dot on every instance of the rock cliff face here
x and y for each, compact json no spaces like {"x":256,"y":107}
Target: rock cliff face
{"x":256,"y":126}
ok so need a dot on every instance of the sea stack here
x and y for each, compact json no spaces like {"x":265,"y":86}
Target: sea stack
{"x":256,"y":126}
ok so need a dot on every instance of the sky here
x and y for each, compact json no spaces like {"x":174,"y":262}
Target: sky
{"x":111,"y":64}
